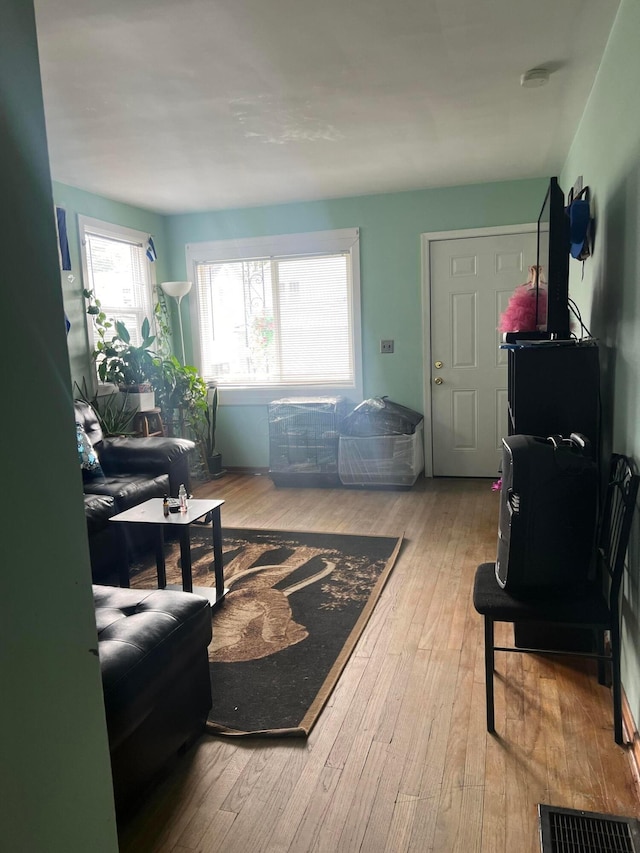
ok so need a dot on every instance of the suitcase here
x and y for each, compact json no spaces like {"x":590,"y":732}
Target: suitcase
{"x":548,"y":514}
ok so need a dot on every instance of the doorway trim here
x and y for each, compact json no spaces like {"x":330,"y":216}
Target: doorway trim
{"x":426,"y":239}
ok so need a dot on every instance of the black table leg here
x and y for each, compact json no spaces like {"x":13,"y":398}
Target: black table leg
{"x":185,"y":558}
{"x":216,"y":532}
{"x":160,"y":564}
{"x":122,"y":557}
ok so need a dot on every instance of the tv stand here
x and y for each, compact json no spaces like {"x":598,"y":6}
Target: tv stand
{"x":554,"y":389}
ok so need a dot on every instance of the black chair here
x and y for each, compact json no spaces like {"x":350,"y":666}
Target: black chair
{"x":595,"y":608}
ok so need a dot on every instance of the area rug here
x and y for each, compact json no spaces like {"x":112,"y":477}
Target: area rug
{"x":296,"y":606}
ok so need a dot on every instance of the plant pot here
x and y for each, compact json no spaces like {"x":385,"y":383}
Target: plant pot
{"x":214,"y":464}
{"x":138,"y":400}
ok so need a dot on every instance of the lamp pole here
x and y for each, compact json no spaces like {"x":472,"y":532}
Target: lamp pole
{"x":178,"y":289}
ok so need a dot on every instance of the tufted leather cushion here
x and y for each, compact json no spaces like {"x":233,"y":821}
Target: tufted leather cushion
{"x":145,"y":639}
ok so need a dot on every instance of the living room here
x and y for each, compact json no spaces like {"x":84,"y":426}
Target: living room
{"x":55,"y":720}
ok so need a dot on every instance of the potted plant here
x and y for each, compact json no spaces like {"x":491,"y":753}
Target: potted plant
{"x":188,"y":406}
{"x":208,"y":433}
{"x":121,"y":362}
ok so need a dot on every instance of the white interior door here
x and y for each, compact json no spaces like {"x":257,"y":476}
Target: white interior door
{"x":471,"y":279}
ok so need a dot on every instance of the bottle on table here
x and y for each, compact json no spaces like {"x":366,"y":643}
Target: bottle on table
{"x":165,"y":505}
{"x":182,"y":498}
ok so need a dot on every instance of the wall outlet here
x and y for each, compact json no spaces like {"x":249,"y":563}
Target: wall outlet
{"x":386,"y":346}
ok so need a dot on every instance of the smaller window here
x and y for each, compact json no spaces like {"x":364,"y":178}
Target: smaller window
{"x":116,"y":268}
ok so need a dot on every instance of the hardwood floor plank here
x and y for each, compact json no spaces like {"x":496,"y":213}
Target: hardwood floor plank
{"x":458,"y":826}
{"x":359,"y":814}
{"x":494,"y":804}
{"x":388,"y":721}
{"x":383,"y":806}
{"x":215,"y":834}
{"x":402,"y":821}
{"x":400,"y":758}
{"x":313,"y":818}
{"x":301,"y":808}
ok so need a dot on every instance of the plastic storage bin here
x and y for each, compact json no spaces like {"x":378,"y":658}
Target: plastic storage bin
{"x":381,"y":460}
{"x":303,"y":440}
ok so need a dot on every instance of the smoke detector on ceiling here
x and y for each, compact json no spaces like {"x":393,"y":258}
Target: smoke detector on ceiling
{"x":534,"y":78}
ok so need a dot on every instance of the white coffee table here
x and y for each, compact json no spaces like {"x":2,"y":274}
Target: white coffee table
{"x":151,"y":512}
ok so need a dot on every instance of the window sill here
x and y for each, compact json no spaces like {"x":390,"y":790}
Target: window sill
{"x":236,"y":395}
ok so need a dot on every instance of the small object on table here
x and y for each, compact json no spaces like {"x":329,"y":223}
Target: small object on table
{"x":182,"y":498}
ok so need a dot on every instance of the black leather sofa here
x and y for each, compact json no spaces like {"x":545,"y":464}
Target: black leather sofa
{"x":128,"y":471}
{"x":152,"y":646}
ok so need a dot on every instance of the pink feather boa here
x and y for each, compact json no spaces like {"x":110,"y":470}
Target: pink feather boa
{"x":520,"y":313}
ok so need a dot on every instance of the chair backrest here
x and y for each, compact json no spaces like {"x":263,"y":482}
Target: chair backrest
{"x":617,"y":516}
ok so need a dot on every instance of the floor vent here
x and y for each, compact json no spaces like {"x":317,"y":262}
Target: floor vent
{"x":571,"y":831}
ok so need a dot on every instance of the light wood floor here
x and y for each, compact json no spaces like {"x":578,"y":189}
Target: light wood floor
{"x":400,"y":759}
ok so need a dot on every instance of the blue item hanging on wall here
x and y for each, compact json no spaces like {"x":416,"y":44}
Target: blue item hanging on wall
{"x":579,"y":225}
{"x":63,"y":242}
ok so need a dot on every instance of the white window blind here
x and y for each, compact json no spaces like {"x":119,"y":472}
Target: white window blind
{"x":116,"y":268}
{"x":279,"y":322}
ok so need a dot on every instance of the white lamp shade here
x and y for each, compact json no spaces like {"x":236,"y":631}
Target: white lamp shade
{"x":177,"y":289}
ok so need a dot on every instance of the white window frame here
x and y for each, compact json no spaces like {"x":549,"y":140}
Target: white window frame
{"x":342,"y":240}
{"x":126,"y":235}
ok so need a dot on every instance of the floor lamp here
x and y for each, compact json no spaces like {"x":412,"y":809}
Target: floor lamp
{"x":178,"y":289}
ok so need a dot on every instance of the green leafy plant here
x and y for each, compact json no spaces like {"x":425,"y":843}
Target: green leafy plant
{"x":181,"y":393}
{"x":189,"y":407}
{"x":117,"y":359}
{"x":206,"y":423}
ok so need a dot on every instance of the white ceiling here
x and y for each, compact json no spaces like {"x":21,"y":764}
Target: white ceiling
{"x":186,"y":105}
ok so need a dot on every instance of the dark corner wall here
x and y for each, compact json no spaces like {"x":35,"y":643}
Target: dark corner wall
{"x":56,"y":779}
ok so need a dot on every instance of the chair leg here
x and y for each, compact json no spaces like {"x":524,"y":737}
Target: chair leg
{"x":488,"y":672}
{"x":602,"y":665}
{"x":616,"y":685}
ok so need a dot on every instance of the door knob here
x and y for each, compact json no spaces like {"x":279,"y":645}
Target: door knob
{"x":438,"y":364}
{"x":438,"y":380}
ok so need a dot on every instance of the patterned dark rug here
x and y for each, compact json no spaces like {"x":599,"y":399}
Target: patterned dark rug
{"x":296,"y":606}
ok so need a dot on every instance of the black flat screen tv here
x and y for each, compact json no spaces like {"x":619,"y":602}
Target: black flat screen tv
{"x":553,"y":261}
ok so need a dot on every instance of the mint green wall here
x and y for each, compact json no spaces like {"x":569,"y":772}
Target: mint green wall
{"x":606,"y":152}
{"x":75,"y":202}
{"x":55,"y":775}
{"x":390,"y":227}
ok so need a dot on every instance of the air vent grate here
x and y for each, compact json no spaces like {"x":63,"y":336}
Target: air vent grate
{"x":571,"y":831}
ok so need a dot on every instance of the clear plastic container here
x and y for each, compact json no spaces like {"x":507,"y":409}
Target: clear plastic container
{"x":381,"y":460}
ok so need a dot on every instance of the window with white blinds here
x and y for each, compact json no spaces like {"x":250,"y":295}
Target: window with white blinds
{"x":276,"y":316}
{"x":117,"y":270}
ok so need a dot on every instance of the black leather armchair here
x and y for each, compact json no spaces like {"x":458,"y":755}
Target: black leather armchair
{"x":130,"y":471}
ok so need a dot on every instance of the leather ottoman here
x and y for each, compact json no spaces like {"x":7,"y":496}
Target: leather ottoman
{"x":155,"y":674}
